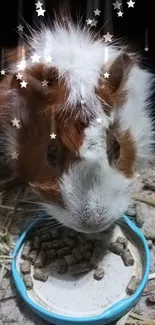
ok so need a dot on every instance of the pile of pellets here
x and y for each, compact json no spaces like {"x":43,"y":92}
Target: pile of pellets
{"x":67,"y":251}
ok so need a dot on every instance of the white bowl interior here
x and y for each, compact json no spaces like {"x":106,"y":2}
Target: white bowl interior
{"x":84,"y":296}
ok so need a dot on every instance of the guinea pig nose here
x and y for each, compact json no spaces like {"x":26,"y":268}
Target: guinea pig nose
{"x":90,"y":224}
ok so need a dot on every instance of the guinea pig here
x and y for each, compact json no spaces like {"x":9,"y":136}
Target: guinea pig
{"x":75,"y":124}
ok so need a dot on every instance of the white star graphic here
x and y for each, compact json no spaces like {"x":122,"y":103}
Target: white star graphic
{"x":99,"y":120}
{"x":146,"y":49}
{"x":35,"y":58}
{"x":48,"y":59}
{"x":19,"y":76}
{"x":21,"y":65}
{"x":97,"y":12}
{"x":108,"y":37}
{"x":89,"y":21}
{"x":20,"y":28}
{"x":3,"y":72}
{"x":106,"y":75}
{"x":40,"y":12}
{"x":94,"y":23}
{"x":14,"y":155}
{"x":117,"y":5}
{"x":131,"y":4}
{"x":53,"y":136}
{"x":38,"y":5}
{"x":44,"y":83}
{"x":120,"y":13}
{"x":15,"y":123}
{"x":23,"y":84}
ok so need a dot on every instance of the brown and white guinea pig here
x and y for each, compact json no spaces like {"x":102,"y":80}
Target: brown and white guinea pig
{"x":82,"y":136}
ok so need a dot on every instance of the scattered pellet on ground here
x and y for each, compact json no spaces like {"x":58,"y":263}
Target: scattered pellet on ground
{"x":151,"y":298}
{"x":41,"y":259}
{"x":133,"y":285}
{"x":79,"y":268}
{"x":26,"y":250}
{"x":36,"y":243}
{"x":127,"y":258}
{"x":28,"y":281}
{"x":41,"y":274}
{"x":116,"y":248}
{"x":99,"y":273}
{"x":33,"y":256}
{"x":123,"y":241}
{"x":96,"y":256}
{"x":25,"y":267}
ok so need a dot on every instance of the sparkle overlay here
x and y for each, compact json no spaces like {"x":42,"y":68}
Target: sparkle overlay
{"x":3,"y":72}
{"x":106,"y":75}
{"x":23,"y":84}
{"x":53,"y":136}
{"x":108,"y":37}
{"x":15,"y":123}
{"x":14,"y":155}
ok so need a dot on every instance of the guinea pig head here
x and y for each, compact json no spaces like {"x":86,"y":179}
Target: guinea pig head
{"x":63,"y":136}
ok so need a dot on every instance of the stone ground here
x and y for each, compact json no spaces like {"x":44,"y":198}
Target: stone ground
{"x":14,"y":311}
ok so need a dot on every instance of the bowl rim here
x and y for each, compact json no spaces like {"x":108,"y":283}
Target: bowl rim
{"x":113,"y":313}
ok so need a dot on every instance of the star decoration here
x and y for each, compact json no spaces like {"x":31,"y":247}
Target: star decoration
{"x":20,"y":28}
{"x":99,"y":120}
{"x":53,"y":136}
{"x":106,"y":75}
{"x":14,"y":155}
{"x":94,"y":23}
{"x":117,"y":5}
{"x":23,"y":84}
{"x":120,"y":13}
{"x":82,"y":102}
{"x":48,"y":59}
{"x":15,"y":123}
{"x":44,"y":83}
{"x":3,"y":72}
{"x":35,"y":58}
{"x":19,"y":76}
{"x":40,"y":12}
{"x":38,"y":5}
{"x":21,"y":65}
{"x":89,"y":21}
{"x":146,"y":49}
{"x":108,"y":37}
{"x":131,"y":4}
{"x":97,"y":12}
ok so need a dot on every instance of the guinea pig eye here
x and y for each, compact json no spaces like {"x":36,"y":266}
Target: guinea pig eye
{"x":113,"y":149}
{"x":52,"y":153}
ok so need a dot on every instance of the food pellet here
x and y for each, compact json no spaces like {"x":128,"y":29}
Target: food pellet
{"x":96,"y":256}
{"x":63,"y":251}
{"x":151,"y":298}
{"x":45,"y":237}
{"x":127,"y":258}
{"x":80,"y":268}
{"x":123,"y":241}
{"x":33,"y":256}
{"x":28,"y":281}
{"x":78,"y":255}
{"x":47,"y":245}
{"x":41,"y":259}
{"x":40,"y":274}
{"x":25,"y":267}
{"x":69,"y":242}
{"x":72,"y":233}
{"x":36,"y":243}
{"x":26,"y":250}
{"x":57,"y":243}
{"x":51,"y":253}
{"x":133,"y":285}
{"x":70,"y":259}
{"x":55,"y":233}
{"x":82,"y":239}
{"x":99,"y":273}
{"x":61,"y":266}
{"x":116,"y":248}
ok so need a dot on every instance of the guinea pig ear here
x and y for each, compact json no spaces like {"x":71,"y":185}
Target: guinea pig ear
{"x":119,"y":70}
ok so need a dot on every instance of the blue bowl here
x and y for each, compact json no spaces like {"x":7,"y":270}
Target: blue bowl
{"x":113,"y":313}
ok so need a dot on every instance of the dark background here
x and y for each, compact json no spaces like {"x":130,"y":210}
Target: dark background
{"x":137,"y":26}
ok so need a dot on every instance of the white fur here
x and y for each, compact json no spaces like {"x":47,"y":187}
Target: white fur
{"x":94,"y":193}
